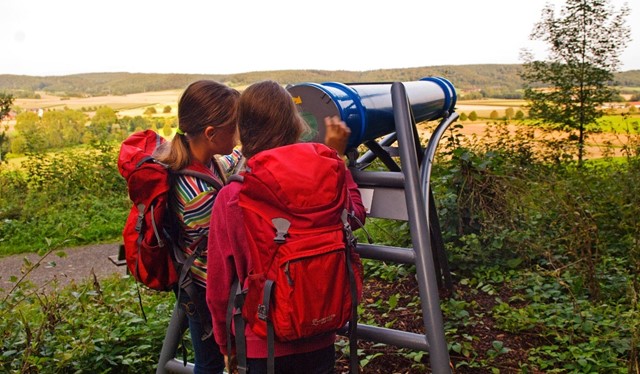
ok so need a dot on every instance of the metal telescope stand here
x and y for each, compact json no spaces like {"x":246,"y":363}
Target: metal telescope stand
{"x":168,"y":363}
{"x":400,"y":193}
{"x":404,"y":193}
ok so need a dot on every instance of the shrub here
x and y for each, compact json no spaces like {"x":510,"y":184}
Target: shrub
{"x":94,"y":326}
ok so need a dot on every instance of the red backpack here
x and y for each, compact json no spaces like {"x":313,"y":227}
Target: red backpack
{"x":306,"y":278}
{"x":149,"y":233}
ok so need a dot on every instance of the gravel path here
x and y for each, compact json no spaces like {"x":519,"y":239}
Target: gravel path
{"x":76,"y":266}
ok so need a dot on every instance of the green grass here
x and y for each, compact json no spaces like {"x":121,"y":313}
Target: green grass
{"x":620,"y":124}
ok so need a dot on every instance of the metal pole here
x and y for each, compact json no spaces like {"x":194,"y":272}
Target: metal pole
{"x":167,"y":361}
{"x":425,"y":179}
{"x":420,"y":233}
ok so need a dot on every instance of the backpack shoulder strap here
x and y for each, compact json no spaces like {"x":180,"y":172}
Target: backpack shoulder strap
{"x":205,"y":177}
{"x":234,"y":314}
{"x":236,"y":178}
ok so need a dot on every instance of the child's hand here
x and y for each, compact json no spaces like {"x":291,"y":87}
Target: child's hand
{"x":336,"y":134}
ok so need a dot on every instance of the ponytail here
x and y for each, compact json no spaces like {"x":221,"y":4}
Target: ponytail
{"x":175,"y":153}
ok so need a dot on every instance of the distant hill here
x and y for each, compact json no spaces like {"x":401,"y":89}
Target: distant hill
{"x":498,"y":80}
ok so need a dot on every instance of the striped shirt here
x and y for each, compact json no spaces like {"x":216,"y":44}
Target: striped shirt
{"x":193,"y":203}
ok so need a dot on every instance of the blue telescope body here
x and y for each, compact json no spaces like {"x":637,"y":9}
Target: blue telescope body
{"x":366,"y":107}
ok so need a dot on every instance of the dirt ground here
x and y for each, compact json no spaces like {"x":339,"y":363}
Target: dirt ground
{"x":76,"y":265}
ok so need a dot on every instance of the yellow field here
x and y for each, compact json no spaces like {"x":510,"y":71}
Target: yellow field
{"x":126,"y":105}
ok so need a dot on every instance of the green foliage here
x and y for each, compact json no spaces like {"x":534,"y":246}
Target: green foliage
{"x":95,"y":326}
{"x":150,"y":111}
{"x":101,"y":128}
{"x":519,"y":115}
{"x":167,"y":130}
{"x":6,"y":101}
{"x":132,"y":124}
{"x":580,"y":336}
{"x":555,"y":245}
{"x":72,"y":197}
{"x":105,"y":116}
{"x":473,"y":116}
{"x":56,"y":129}
{"x":27,"y":125}
{"x":509,"y":113}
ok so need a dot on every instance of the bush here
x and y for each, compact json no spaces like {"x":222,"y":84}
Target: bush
{"x":95,"y":326}
{"x":72,"y":197}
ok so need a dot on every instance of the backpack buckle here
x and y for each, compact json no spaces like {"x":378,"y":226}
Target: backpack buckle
{"x":282,"y":229}
{"x":262,"y":312}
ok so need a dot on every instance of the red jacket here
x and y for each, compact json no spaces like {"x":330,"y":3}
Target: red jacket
{"x":229,"y":256}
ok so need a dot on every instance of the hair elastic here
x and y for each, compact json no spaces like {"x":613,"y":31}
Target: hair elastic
{"x":179,"y":131}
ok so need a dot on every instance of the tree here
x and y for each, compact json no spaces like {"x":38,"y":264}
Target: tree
{"x":493,"y":115}
{"x":509,"y":113}
{"x":463,"y":116}
{"x":5,"y":106}
{"x":473,"y":116}
{"x":28,"y":127}
{"x":585,"y":43}
{"x":166,"y":128}
{"x":101,"y":122}
{"x":66,"y":125}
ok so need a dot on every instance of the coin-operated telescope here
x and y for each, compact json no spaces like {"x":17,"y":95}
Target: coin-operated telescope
{"x":367,"y":108}
{"x":383,"y":117}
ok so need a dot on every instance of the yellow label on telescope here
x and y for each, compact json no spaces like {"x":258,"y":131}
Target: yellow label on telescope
{"x":297,"y":100}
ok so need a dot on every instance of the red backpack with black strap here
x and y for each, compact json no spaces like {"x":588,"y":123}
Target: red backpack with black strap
{"x":306,"y":278}
{"x":150,"y":233}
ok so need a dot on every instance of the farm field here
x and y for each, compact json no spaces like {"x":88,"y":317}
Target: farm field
{"x":126,"y":105}
{"x":135,"y":104}
{"x":595,"y":146}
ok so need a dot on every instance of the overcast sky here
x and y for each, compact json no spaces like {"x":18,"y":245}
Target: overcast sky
{"x":60,"y":37}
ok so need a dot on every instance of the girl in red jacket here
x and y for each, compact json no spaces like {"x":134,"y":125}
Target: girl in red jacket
{"x":267,"y":118}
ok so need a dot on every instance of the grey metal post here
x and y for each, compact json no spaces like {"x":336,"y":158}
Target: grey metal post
{"x":418,"y":220}
{"x":425,"y":179}
{"x":167,"y":362}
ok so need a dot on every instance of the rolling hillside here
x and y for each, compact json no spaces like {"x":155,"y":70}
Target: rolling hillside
{"x":501,"y":80}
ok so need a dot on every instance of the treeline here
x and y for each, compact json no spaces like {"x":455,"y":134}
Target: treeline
{"x":494,"y":80}
{"x":59,"y":129}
